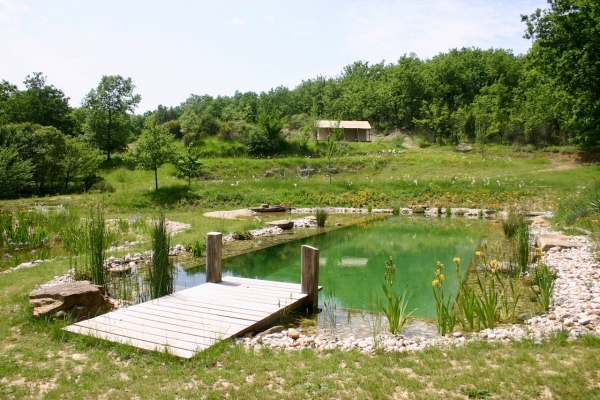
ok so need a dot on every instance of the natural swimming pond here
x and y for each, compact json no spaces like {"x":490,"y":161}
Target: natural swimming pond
{"x":352,"y":260}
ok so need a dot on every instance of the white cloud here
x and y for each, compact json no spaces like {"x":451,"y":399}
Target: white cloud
{"x":385,"y":31}
{"x":270,"y":18}
{"x":8,"y":9}
{"x":238,"y":21}
{"x":300,"y":33}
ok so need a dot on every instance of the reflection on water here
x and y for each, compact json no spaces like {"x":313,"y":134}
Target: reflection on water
{"x":352,"y":260}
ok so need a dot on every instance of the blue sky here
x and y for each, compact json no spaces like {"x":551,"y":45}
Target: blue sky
{"x":172,"y":49}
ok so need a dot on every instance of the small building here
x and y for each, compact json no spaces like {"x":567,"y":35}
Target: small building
{"x":354,"y":131}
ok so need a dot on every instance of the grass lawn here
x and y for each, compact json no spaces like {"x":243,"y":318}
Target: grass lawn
{"x":39,"y":360}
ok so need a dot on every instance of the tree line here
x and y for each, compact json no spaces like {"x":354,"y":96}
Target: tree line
{"x":549,"y":96}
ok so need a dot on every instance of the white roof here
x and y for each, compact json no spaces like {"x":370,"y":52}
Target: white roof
{"x":344,"y":124}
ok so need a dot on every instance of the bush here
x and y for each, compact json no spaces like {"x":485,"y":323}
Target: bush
{"x":102,"y":187}
{"x":423,"y":144}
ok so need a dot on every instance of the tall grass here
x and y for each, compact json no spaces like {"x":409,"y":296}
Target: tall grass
{"x":522,"y":247}
{"x":97,"y":243}
{"x":513,"y":223}
{"x":161,"y":269}
{"x":321,"y":215}
{"x":542,"y":284}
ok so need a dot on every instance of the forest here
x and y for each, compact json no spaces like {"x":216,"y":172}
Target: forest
{"x":549,"y":96}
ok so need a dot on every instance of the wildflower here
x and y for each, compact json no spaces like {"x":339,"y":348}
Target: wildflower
{"x":435,"y":283}
{"x":494,"y":270}
{"x":493,"y":263}
{"x":441,"y":277}
{"x":438,"y":272}
{"x":456,"y":260}
{"x":439,"y":264}
{"x":478,"y":253}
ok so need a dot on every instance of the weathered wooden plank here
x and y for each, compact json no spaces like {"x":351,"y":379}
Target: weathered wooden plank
{"x":240,"y":304}
{"x":149,"y":325}
{"x":179,"y":325}
{"x":310,"y":276}
{"x":140,"y":344}
{"x":161,"y":337}
{"x":192,"y":319}
{"x":199,"y":314}
{"x":254,"y":295}
{"x":261,"y":283}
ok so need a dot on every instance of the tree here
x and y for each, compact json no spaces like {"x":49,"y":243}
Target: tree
{"x":188,"y":164}
{"x":567,"y":47}
{"x":39,"y":103}
{"x":271,"y":122}
{"x":154,"y":147}
{"x":108,"y":124}
{"x":79,"y":161}
{"x":15,"y":173}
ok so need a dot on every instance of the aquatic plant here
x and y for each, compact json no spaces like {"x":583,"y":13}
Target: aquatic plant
{"x":96,"y":241}
{"x":446,"y":315}
{"x":321,"y":215}
{"x":161,"y":269}
{"x":394,"y":306}
{"x":542,"y":284}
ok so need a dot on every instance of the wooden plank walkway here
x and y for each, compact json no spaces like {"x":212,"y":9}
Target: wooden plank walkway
{"x":194,"y":319}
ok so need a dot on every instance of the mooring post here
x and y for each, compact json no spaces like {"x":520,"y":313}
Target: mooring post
{"x":214,"y":244}
{"x":310,"y":276}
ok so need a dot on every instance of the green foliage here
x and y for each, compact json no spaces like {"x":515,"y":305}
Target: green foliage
{"x":188,"y":164}
{"x":97,"y":244}
{"x":108,"y":126}
{"x":154,"y":148}
{"x":542,"y":284}
{"x":566,"y":48}
{"x":15,"y":173}
{"x":161,"y":269}
{"x":394,"y":306}
{"x":513,"y":223}
{"x":321,"y":215}
{"x":446,"y":315}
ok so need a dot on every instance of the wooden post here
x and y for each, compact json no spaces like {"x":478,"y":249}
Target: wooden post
{"x":214,"y":244}
{"x":310,"y":276}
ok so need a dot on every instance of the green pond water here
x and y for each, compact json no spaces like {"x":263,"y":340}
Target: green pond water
{"x":352,"y":260}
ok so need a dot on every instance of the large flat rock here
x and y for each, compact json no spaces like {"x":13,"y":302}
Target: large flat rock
{"x":82,"y":299}
{"x":549,"y":241}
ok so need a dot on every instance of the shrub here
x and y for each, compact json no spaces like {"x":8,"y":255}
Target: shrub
{"x":102,"y":187}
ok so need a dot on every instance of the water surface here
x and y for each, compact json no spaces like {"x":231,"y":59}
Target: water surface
{"x":352,"y":260}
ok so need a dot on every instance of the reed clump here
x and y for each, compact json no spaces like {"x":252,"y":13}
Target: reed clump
{"x":161,"y":270}
{"x":97,"y":243}
{"x":394,"y":306}
{"x":321,"y":215}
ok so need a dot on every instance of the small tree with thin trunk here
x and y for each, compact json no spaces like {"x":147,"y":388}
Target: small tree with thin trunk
{"x":154,"y":147}
{"x":332,"y":147}
{"x":188,"y":164}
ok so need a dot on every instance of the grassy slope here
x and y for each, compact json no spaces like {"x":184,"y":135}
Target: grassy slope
{"x":38,"y":360}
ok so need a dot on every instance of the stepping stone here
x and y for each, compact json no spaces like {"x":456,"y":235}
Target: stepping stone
{"x":283,"y":224}
{"x":549,"y":241}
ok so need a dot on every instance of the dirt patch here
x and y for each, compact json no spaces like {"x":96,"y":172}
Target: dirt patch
{"x":231,"y":214}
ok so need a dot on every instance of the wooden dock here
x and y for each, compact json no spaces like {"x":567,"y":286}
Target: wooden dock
{"x":194,"y":319}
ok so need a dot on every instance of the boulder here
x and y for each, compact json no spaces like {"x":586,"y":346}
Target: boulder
{"x":293,"y":334}
{"x":82,"y":299}
{"x":464,"y":148}
{"x":549,"y":241}
{"x":283,"y":224}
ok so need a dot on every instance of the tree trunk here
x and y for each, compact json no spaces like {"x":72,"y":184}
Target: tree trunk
{"x":156,"y":177}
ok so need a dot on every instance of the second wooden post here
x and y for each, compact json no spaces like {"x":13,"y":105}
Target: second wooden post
{"x":310,"y":276}
{"x":214,"y":244}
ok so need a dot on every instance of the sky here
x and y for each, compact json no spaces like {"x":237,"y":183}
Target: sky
{"x":177,"y":48}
